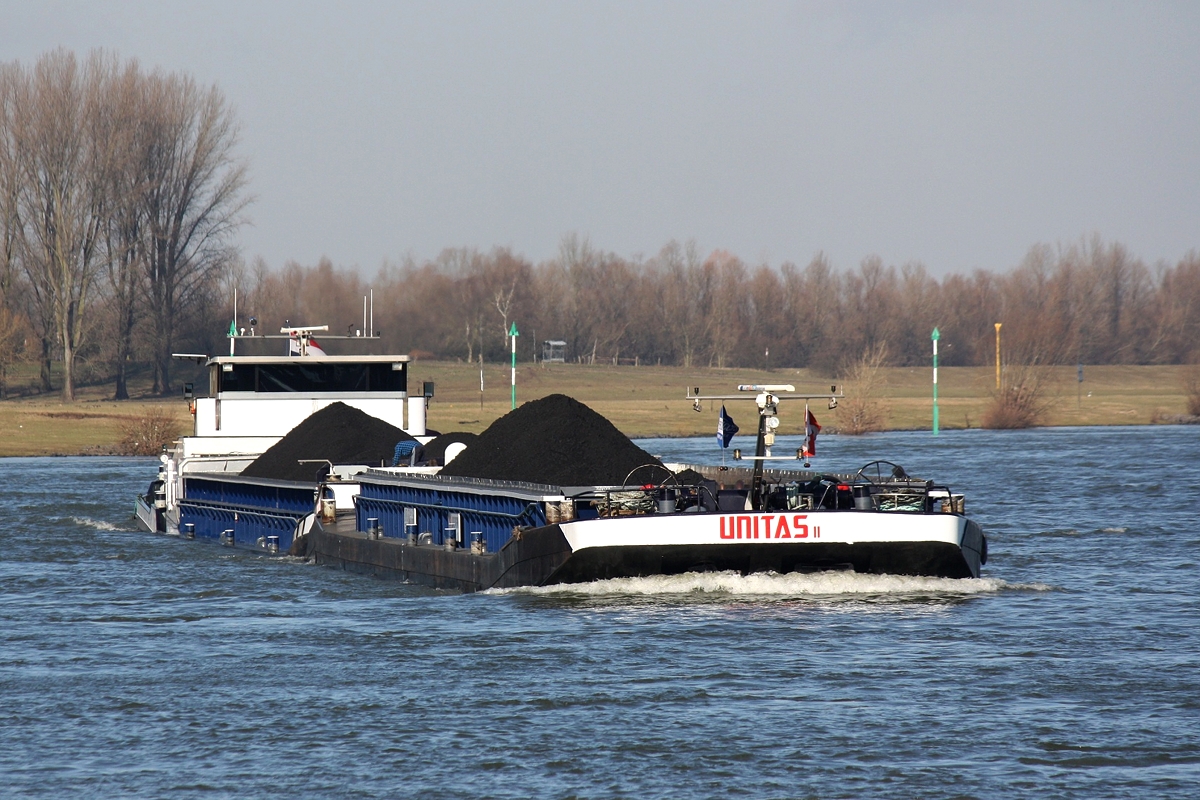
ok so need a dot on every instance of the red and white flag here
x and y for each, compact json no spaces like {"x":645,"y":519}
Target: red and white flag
{"x":309,"y":348}
{"x":811,"y":429}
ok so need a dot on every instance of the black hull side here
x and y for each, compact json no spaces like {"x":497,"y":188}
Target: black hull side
{"x":527,"y":560}
{"x":933,"y":559}
{"x":542,"y":556}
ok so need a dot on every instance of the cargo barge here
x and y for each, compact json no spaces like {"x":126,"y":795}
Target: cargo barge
{"x":424,"y":525}
{"x":454,"y":533}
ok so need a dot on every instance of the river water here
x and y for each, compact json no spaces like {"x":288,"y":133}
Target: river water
{"x":138,"y":665}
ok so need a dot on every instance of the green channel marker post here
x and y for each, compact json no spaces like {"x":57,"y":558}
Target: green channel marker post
{"x":935,"y":336}
{"x":512,"y":333}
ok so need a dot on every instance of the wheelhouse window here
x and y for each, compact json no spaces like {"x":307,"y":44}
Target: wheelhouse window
{"x":310,"y":377}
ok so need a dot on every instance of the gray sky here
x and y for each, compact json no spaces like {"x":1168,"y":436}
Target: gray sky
{"x":954,"y":134}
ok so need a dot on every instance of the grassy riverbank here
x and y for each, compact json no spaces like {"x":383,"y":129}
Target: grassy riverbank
{"x":641,"y":401}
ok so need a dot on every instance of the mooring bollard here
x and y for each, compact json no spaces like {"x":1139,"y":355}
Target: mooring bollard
{"x":410,"y":525}
{"x":189,"y":530}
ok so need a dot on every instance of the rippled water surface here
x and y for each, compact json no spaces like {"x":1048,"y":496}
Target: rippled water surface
{"x":137,"y":665}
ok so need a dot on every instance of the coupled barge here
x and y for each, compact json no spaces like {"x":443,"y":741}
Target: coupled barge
{"x":468,"y":535}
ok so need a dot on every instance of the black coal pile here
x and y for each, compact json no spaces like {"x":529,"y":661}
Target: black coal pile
{"x":338,"y":433}
{"x":434,"y":451}
{"x":558,"y":441}
{"x":689,"y":477}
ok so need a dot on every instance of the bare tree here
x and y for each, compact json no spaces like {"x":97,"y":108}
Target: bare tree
{"x":9,"y":222}
{"x":10,"y":319}
{"x":466,"y":267}
{"x":14,"y":96}
{"x":1026,"y":392}
{"x":678,"y":303}
{"x":12,"y":335}
{"x":61,"y":157}
{"x":125,"y":222}
{"x":1178,"y":311}
{"x":574,"y":273}
{"x":503,"y":299}
{"x":864,"y":410}
{"x":1190,"y":382}
{"x":614,"y":287}
{"x":812,"y":302}
{"x":728,"y":312}
{"x":765,"y":319}
{"x":193,"y":202}
{"x":9,"y":227}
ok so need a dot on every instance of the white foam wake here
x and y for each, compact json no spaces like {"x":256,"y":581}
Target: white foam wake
{"x":770,"y":584}
{"x":97,"y":524}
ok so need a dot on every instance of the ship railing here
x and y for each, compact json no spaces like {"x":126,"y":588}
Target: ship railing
{"x":897,"y":495}
{"x":247,"y":522}
{"x":493,"y":525}
{"x":625,"y":501}
{"x":241,"y":509}
{"x":460,"y":509}
{"x":910,"y":495}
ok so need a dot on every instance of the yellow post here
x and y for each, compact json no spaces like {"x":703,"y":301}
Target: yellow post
{"x":998,"y":324}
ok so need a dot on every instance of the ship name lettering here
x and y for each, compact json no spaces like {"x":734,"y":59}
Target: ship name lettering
{"x":773,"y":526}
{"x":799,"y":526}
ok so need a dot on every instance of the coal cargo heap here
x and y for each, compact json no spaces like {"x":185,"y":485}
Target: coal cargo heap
{"x":689,"y":477}
{"x":557,"y":441}
{"x":338,"y":433}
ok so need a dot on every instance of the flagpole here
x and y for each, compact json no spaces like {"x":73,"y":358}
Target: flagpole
{"x":721,"y":433}
{"x":806,"y":453}
{"x":726,"y":429}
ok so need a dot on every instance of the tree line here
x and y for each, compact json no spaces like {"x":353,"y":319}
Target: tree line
{"x":120,"y":195}
{"x":1090,"y":302}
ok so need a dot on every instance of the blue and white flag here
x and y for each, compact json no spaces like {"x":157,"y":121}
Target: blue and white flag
{"x":726,"y":428}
